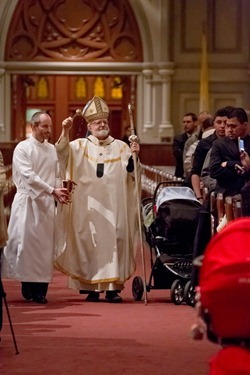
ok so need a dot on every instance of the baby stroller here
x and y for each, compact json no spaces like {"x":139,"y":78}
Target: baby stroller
{"x":224,"y":303}
{"x":170,"y":221}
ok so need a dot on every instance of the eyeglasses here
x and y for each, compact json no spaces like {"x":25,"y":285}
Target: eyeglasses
{"x":100,"y":122}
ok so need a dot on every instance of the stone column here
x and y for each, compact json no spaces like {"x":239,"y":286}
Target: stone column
{"x":2,"y":105}
{"x":166,"y":128}
{"x":1,"y":102}
{"x":148,"y":122}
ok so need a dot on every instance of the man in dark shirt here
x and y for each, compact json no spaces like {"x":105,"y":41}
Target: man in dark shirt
{"x":205,"y":145}
{"x":226,"y":159}
{"x":189,"y":124}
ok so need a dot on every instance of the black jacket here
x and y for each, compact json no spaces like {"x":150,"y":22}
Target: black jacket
{"x":178,"y":147}
{"x":229,"y":181}
{"x":200,"y":153}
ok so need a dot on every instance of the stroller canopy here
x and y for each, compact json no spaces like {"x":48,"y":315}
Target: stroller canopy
{"x":225,"y":280}
{"x":175,"y":193}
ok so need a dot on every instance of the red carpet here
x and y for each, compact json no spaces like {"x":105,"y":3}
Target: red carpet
{"x":69,"y":336}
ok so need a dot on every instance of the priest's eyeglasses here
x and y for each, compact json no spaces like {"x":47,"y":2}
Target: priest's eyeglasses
{"x":100,"y":122}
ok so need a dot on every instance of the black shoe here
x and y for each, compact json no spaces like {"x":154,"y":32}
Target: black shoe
{"x":27,"y":295}
{"x":27,"y":291}
{"x":93,"y":297}
{"x":113,"y":296}
{"x":40,"y":299}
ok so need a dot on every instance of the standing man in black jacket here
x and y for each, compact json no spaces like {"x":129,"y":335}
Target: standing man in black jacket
{"x":190,"y":122}
{"x":204,"y":145}
{"x":226,"y":162}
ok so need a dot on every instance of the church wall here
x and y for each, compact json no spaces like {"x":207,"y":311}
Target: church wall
{"x":227,"y":24}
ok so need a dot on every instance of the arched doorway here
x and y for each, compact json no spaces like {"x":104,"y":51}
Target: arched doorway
{"x":98,"y":31}
{"x":61,"y":95}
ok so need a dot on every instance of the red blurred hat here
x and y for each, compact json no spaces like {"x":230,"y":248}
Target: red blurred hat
{"x":231,"y":361}
{"x":224,"y":281}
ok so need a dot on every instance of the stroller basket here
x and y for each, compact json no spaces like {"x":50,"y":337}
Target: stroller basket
{"x":179,"y":266}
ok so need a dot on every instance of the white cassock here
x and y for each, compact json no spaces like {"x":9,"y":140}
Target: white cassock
{"x":98,"y":250}
{"x":28,"y":255}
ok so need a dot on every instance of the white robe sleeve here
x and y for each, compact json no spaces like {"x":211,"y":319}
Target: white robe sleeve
{"x":30,"y":181}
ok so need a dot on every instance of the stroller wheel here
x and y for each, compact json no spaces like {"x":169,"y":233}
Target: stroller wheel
{"x":189,"y":293}
{"x":177,"y":292}
{"x":137,"y":288}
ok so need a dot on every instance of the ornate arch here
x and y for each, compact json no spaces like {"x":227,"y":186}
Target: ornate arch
{"x":74,"y":30}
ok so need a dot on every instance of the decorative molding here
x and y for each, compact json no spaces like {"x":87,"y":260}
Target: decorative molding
{"x":190,"y":41}
{"x":94,"y":68}
{"x":226,"y":33}
{"x":70,"y":30}
{"x":222,"y":99}
{"x":225,"y":27}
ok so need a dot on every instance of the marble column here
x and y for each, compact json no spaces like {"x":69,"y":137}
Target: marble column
{"x":2,"y":105}
{"x":165,"y":127}
{"x":148,"y":121}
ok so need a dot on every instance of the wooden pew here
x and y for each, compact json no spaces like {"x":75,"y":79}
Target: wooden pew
{"x":151,"y":177}
{"x":224,"y":208}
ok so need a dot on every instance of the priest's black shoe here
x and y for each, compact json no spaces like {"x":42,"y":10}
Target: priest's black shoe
{"x":113,"y":296}
{"x":93,"y":297}
{"x":40,"y":299}
{"x":27,"y":291}
{"x":27,"y":295}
